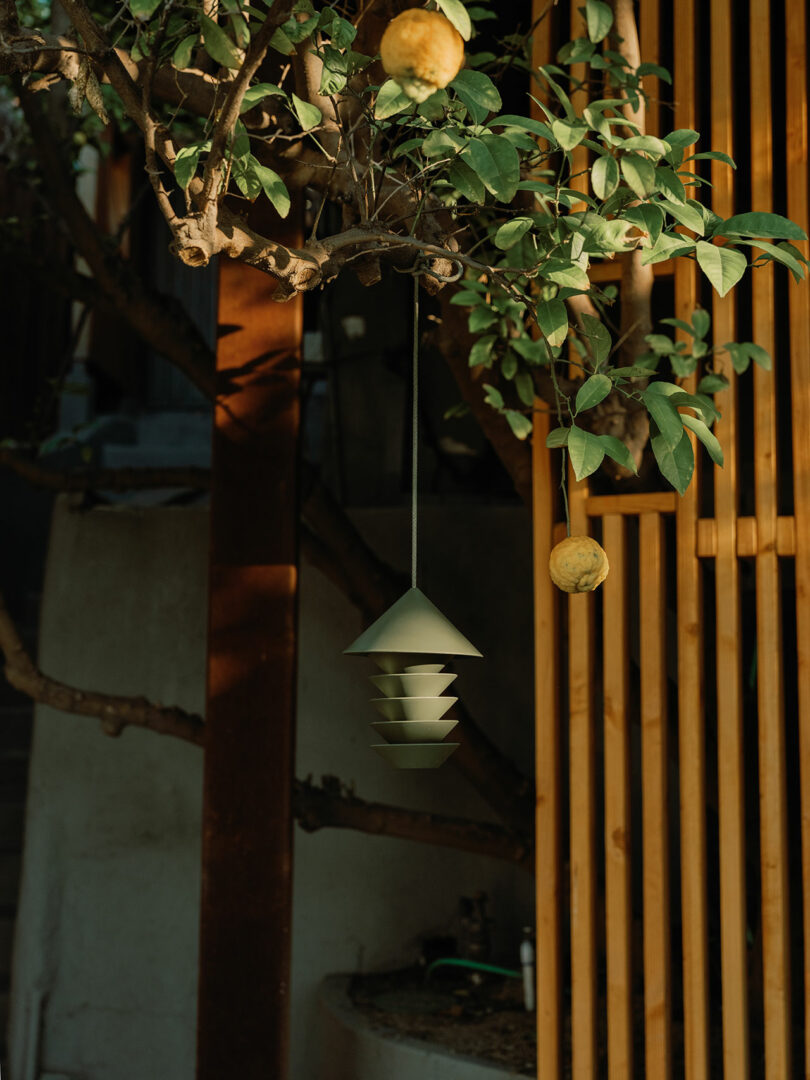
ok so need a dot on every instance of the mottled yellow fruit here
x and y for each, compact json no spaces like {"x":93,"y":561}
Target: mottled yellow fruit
{"x":578,"y":564}
{"x":422,"y":51}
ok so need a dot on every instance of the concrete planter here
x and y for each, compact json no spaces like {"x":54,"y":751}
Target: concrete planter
{"x":354,"y":1050}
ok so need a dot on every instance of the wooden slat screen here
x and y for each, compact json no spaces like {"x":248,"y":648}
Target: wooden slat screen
{"x":681,"y":689}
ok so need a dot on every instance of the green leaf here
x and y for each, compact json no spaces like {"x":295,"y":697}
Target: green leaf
{"x":274,"y":188}
{"x":667,"y":246}
{"x":391,"y":99}
{"x":521,"y":425}
{"x":712,"y":384}
{"x":566,"y":273}
{"x":676,"y":464}
{"x":466,"y":181}
{"x":218,"y":45}
{"x":245,"y":176}
{"x":281,"y":43}
{"x":669,"y":184}
{"x":534,"y":352}
{"x":592,"y":391}
{"x":586,"y":452}
{"x":654,"y":69}
{"x":598,"y":337}
{"x":665,"y":415}
{"x":617,"y":450}
{"x":712,"y":155}
{"x":481,"y":352}
{"x":510,"y":233}
{"x":143,"y":9}
{"x":687,"y":329}
{"x":257,"y":93}
{"x":639,"y":174}
{"x":781,"y":253}
{"x":309,"y":116}
{"x":569,"y":133}
{"x":524,"y":123}
{"x":497,"y":164}
{"x":722,"y":265}
{"x":703,"y":405}
{"x":524,"y":384}
{"x":740,"y":360}
{"x":493,"y":396}
{"x":185,"y":164}
{"x":509,"y":365}
{"x":681,"y":138}
{"x":478,"y":93}
{"x":648,"y":217}
{"x":480,"y":318}
{"x":761,"y":224}
{"x":181,"y":58}
{"x":599,"y":19}
{"x":340,"y":31}
{"x":458,"y":16}
{"x":701,"y":320}
{"x":685,"y":214}
{"x":660,"y":344}
{"x":648,"y":143}
{"x":335,"y":70}
{"x":605,"y":176}
{"x":707,"y":437}
{"x":557,"y":437}
{"x":552,"y":318}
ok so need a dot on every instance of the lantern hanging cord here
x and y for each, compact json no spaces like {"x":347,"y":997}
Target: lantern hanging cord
{"x":414,"y":429}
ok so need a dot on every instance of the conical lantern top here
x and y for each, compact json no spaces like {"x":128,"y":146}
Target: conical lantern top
{"x":413,"y":626}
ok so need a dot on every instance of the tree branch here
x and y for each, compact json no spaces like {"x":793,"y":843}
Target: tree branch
{"x":114,"y":712}
{"x":330,"y":805}
{"x":89,"y":479}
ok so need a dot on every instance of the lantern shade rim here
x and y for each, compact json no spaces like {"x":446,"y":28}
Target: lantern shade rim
{"x":413,"y":626}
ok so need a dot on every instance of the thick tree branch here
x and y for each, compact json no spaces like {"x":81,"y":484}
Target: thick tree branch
{"x":330,"y":805}
{"x":114,"y":712}
{"x":89,"y":479}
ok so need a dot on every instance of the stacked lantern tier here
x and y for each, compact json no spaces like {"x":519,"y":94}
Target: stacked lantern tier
{"x":411,"y":643}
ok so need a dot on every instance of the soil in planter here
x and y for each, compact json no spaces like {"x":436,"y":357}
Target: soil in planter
{"x":481,"y":1017}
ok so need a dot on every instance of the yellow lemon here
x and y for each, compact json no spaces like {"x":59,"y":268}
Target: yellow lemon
{"x":578,"y":564}
{"x":422,"y":51}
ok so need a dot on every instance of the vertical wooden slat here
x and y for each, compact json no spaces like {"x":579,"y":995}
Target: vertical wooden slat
{"x":618,"y":898}
{"x":773,"y":810}
{"x":655,"y":847}
{"x":649,"y":34}
{"x":730,"y":778}
{"x":690,"y":689}
{"x":799,"y":299}
{"x":547,"y":765}
{"x":579,"y":100}
{"x":582,"y":814}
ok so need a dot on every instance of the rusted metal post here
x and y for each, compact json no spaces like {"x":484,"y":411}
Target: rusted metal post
{"x":245,"y":922}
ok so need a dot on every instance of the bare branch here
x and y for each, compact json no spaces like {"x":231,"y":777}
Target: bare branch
{"x":114,"y":712}
{"x":330,"y":805}
{"x":88,"y":479}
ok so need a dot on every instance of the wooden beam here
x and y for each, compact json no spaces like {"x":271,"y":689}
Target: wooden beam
{"x":618,"y":897}
{"x":691,"y":736}
{"x":730,"y":763}
{"x":547,"y":765}
{"x":796,"y":122}
{"x":582,"y":809}
{"x":655,"y":817}
{"x":770,"y":693}
{"x":245,"y":919}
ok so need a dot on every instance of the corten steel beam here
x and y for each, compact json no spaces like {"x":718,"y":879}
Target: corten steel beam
{"x":245,"y":919}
